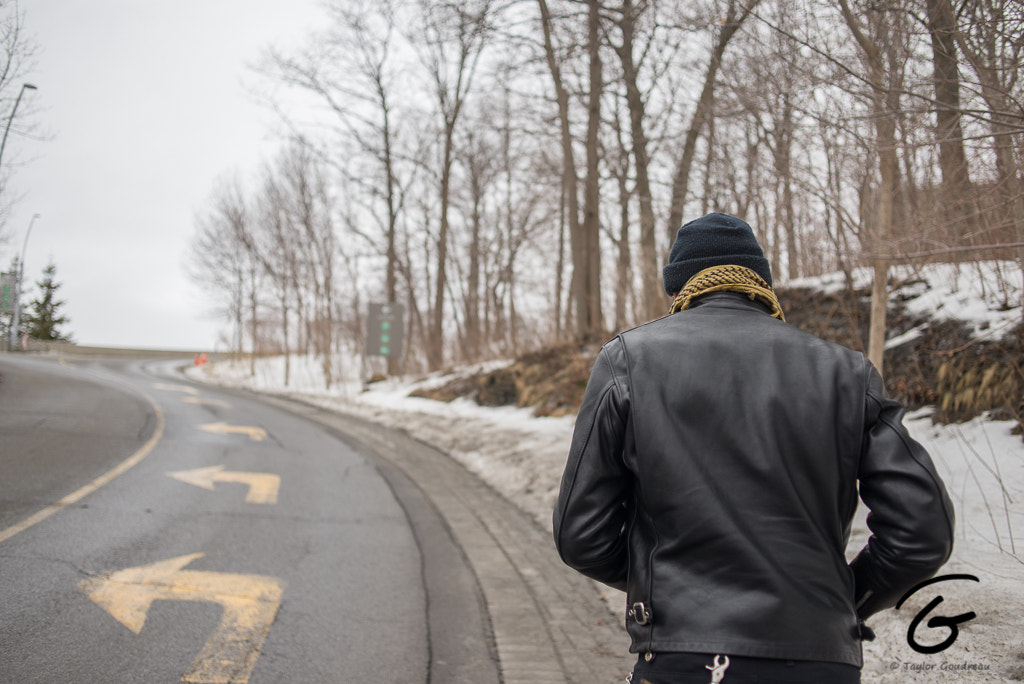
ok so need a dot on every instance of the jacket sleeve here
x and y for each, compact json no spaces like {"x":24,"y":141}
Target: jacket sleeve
{"x":590,"y":514}
{"x":910,"y":515}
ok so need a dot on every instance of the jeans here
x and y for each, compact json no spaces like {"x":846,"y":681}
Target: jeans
{"x":694,"y":668}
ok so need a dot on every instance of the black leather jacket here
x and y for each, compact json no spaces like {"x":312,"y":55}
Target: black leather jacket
{"x":713,"y":476}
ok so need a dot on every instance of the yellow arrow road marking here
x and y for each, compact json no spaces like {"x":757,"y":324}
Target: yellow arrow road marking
{"x":262,"y":486}
{"x":206,"y":402}
{"x":175,"y":388}
{"x":250,"y":604}
{"x":256,"y":434}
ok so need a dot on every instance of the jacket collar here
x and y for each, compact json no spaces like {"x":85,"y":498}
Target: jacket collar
{"x":729,"y":300}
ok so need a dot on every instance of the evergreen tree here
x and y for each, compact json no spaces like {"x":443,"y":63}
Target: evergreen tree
{"x":44,"y":320}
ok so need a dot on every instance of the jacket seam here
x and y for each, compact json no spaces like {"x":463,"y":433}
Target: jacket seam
{"x":649,"y":588}
{"x":575,"y":472}
{"x":931,"y":476}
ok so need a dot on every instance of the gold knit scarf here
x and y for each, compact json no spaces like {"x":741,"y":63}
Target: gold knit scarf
{"x":728,"y":278}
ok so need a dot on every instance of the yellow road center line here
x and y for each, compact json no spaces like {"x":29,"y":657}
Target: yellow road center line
{"x":81,"y":493}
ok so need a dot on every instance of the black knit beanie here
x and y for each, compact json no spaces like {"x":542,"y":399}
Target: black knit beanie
{"x":713,"y":240}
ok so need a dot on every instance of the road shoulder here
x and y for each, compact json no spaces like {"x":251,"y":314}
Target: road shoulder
{"x":548,"y":623}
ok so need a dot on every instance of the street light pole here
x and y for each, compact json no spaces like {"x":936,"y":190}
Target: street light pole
{"x":3,"y":143}
{"x":16,"y":320}
{"x":21,"y":264}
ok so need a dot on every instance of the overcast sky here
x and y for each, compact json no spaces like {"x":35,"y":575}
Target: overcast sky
{"x":147,"y":105}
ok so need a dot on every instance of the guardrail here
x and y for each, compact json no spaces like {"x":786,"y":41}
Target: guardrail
{"x":69,"y":349}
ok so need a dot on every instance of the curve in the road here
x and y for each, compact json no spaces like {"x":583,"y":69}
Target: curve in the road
{"x":98,"y":482}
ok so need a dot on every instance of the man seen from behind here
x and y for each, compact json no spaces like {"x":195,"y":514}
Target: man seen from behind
{"x":713,"y":476}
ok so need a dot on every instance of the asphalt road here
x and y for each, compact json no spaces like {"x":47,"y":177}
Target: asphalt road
{"x":60,"y":428}
{"x":156,"y":530}
{"x":242,"y":544}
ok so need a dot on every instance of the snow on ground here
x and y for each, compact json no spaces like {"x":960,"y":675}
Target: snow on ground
{"x":985,"y":295}
{"x":981,"y":462}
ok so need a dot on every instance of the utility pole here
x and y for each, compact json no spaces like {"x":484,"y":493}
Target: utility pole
{"x":3,"y":143}
{"x":13,"y":333}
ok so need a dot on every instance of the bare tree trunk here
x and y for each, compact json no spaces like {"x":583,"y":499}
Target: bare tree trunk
{"x":949,"y":132}
{"x":560,"y":266}
{"x":476,"y":160}
{"x":589,"y":324}
{"x":623,"y":276}
{"x":784,"y":172}
{"x":353,"y":62}
{"x":390,"y":196}
{"x":239,"y":305}
{"x":435,"y":347}
{"x":232,"y":213}
{"x":285,"y":339}
{"x":451,"y":89}
{"x":1009,"y":177}
{"x":513,"y":314}
{"x":653,"y":295}
{"x":885,"y":103}
{"x":618,"y":164}
{"x":702,"y":113}
{"x":707,"y":192}
{"x":994,"y":53}
{"x":473,"y":290}
{"x":254,"y":315}
{"x":585,"y":234}
{"x":885,"y":130}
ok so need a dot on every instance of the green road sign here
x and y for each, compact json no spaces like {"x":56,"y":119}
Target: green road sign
{"x":8,"y":281}
{"x":385,"y":329}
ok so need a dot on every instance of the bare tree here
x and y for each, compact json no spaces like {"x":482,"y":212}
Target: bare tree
{"x":443,"y":145}
{"x":990,"y":37}
{"x":231,"y":208}
{"x":617,"y":161}
{"x":570,"y":180}
{"x":311,"y":211}
{"x":452,"y":40}
{"x":480,"y":157}
{"x":876,"y":35}
{"x":220,"y":258}
{"x":585,"y":226}
{"x":355,"y":70}
{"x":276,"y":243}
{"x":784,"y":79}
{"x":653,"y":297}
{"x":735,"y":14}
{"x":783,"y":130}
{"x":280,"y":260}
{"x":17,"y":56}
{"x":956,"y":182}
{"x":589,"y":319}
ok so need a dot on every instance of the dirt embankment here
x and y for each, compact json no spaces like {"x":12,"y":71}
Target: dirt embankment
{"x":941,"y":365}
{"x":551,"y":380}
